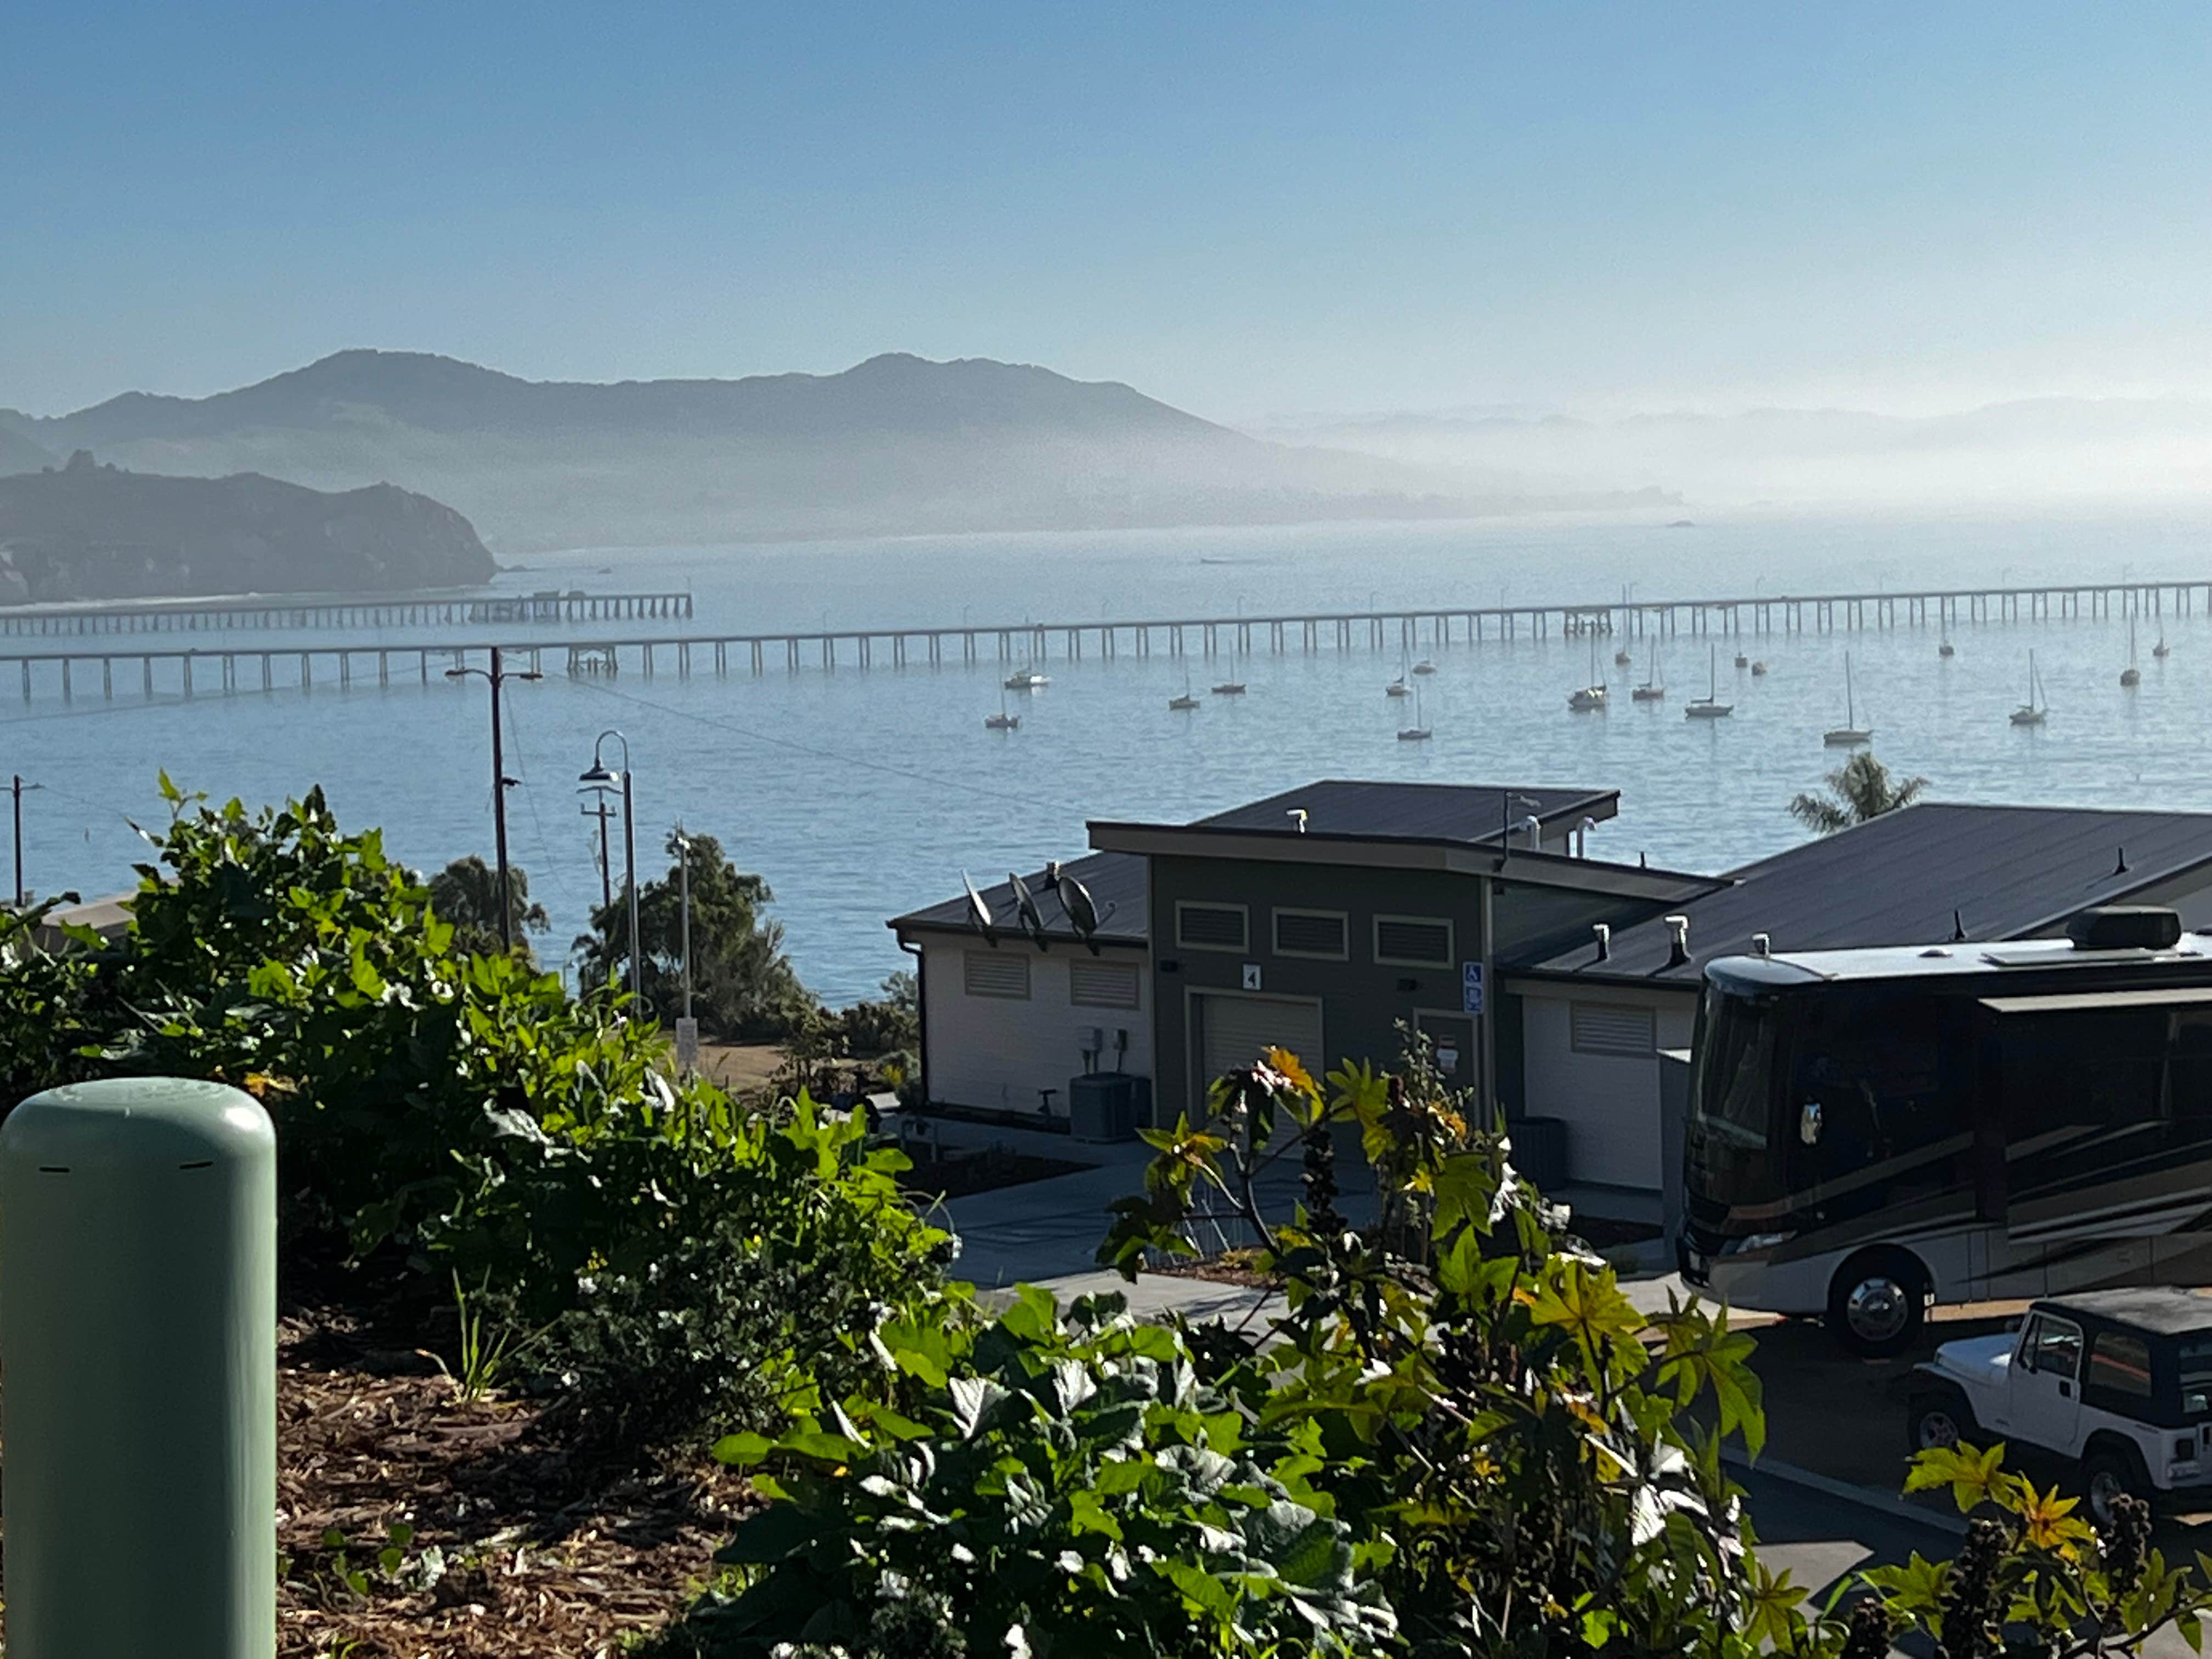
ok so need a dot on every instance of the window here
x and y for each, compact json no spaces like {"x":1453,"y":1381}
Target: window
{"x":1211,"y":926}
{"x":2054,"y":1346}
{"x":2192,"y":1361}
{"x":1311,"y":933}
{"x":1093,"y":984}
{"x":1613,"y":1028}
{"x":1412,"y":941}
{"x":1004,"y":973}
{"x":2119,"y":1368}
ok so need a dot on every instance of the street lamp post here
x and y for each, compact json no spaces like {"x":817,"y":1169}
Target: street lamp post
{"x":497,"y":677}
{"x":683,"y":883}
{"x":599,"y":777}
{"x":17,"y":788}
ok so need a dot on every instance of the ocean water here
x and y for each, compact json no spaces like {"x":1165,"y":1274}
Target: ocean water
{"x":860,"y":795}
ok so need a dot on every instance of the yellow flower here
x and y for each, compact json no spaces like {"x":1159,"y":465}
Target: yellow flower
{"x":1283,"y":1060}
{"x":2047,"y":1519}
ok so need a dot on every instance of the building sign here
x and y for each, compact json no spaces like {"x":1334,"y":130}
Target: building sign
{"x":1470,"y":988}
{"x":1251,"y":976}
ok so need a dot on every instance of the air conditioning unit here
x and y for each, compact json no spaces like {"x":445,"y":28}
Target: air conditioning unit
{"x":1107,"y":1105}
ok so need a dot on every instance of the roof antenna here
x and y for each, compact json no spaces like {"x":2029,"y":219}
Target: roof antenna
{"x":2120,"y":868}
{"x":1958,"y":929}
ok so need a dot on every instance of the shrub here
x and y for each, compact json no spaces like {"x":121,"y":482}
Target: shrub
{"x":1495,"y":1452}
{"x":1075,"y":1489}
{"x":673,"y":1254}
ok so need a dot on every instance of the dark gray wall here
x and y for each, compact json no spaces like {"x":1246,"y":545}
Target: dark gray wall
{"x":1362,"y":1000}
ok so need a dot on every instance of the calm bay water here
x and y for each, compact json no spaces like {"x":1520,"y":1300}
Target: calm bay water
{"x":860,"y":795}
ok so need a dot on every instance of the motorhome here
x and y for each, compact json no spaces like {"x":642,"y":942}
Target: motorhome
{"x":1872,"y":1132}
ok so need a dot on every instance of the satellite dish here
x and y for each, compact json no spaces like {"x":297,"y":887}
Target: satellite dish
{"x":1025,"y":909}
{"x":1082,"y":912}
{"x":980,"y":912}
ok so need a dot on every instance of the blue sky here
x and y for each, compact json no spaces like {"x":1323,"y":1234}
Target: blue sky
{"x":1244,"y":210}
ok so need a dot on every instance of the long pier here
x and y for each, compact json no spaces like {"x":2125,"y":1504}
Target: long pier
{"x":236,"y":668}
{"x":340,"y":610}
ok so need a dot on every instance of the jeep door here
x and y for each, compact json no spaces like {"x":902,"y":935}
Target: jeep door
{"x":2046,"y":1386}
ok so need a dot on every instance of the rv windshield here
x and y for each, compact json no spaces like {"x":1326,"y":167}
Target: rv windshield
{"x":1734,"y":1101}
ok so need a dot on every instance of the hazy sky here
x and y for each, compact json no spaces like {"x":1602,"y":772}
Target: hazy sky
{"x":1241,"y":209}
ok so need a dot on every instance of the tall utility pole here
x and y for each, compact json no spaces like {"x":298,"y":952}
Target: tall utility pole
{"x":498,"y":676}
{"x":598,"y":809}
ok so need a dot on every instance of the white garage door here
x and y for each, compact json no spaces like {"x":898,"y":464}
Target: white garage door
{"x":1233,"y":1029}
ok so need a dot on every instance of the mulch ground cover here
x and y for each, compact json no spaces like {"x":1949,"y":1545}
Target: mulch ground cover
{"x":413,"y":1523}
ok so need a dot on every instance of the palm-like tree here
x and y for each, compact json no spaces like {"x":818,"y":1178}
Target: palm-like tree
{"x":1859,"y":790}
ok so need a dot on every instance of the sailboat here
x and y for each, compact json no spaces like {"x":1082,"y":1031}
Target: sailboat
{"x":1230,"y":688}
{"x":1709,"y":706}
{"x":1758,"y":669}
{"x":1591,"y":696}
{"x":2032,"y":712}
{"x":1419,"y":731}
{"x":1025,"y":679}
{"x":1002,"y":721}
{"x":1424,"y":667}
{"x":1398,"y":688}
{"x":1943,"y":646}
{"x":1186,"y":700}
{"x":2132,"y":676}
{"x":2161,"y":650}
{"x":1652,"y":691}
{"x":1850,"y":733}
{"x":1621,"y":657}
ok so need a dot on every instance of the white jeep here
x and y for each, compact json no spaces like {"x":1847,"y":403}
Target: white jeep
{"x":2120,"y":1381}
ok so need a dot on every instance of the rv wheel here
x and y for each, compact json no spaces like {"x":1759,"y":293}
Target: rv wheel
{"x":1877,"y":1302}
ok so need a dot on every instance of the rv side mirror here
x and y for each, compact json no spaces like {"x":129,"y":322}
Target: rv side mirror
{"x":1809,"y":1122}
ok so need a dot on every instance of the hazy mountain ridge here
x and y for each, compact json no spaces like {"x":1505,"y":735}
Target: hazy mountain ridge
{"x":2036,"y":450}
{"x":87,"y":531}
{"x":896,"y":445}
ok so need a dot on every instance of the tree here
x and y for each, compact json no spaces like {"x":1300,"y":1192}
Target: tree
{"x":466,"y":894}
{"x":743,"y":984}
{"x":1859,"y":790}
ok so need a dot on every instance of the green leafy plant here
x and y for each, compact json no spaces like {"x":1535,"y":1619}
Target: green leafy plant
{"x":1073,"y":1486}
{"x":442,"y":1113}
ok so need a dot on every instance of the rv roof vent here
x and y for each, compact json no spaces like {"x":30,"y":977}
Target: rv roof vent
{"x":2125,"y":928}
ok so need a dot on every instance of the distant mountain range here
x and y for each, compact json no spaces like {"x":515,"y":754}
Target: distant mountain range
{"x":2033,"y":451}
{"x":87,"y":531}
{"x":897,"y":445}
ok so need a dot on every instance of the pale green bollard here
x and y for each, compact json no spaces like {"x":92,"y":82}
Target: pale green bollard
{"x":138,"y":1347}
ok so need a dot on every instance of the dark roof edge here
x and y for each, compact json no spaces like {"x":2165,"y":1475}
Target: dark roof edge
{"x":1015,"y":933}
{"x":1657,"y":979}
{"x":1506,"y":857}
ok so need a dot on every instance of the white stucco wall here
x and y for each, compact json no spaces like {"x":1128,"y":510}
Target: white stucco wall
{"x":997,"y":1052}
{"x":1610,"y":1104}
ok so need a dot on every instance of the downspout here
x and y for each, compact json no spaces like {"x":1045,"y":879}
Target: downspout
{"x":921,"y":1013}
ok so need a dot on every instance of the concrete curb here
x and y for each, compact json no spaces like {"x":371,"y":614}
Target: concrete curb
{"x":1868,"y":1497}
